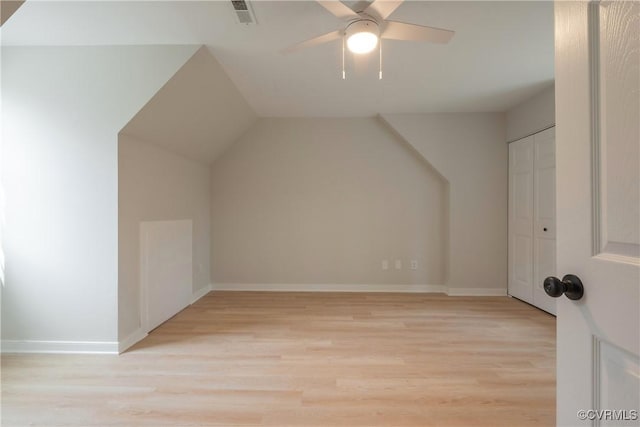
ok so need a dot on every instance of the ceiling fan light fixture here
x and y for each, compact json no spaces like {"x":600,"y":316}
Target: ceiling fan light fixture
{"x":362,"y":36}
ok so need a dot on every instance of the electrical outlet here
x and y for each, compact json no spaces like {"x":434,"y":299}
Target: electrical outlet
{"x":398,"y":264}
{"x":385,"y":264}
{"x":414,"y":264}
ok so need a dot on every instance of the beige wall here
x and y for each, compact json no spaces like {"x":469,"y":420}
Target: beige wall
{"x":198,"y":113}
{"x":470,"y":151}
{"x":533,"y":115}
{"x":62,"y":108}
{"x":155,"y":184}
{"x":165,"y":153}
{"x":324,"y":201}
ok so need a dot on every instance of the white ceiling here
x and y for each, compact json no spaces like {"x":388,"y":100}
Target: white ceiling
{"x":502,"y":52}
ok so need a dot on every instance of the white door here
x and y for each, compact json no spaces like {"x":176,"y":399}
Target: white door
{"x":521,"y":219}
{"x":544,"y":216}
{"x":532,"y":239}
{"x":166,"y":272}
{"x":598,"y":220}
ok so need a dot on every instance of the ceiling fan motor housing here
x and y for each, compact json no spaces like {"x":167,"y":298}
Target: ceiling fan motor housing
{"x":362,"y":26}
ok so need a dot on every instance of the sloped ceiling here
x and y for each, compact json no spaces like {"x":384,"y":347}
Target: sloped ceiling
{"x":197,"y":113}
{"x":502,"y":52}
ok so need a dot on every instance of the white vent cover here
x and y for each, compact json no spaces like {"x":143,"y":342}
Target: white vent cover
{"x":243,"y":10}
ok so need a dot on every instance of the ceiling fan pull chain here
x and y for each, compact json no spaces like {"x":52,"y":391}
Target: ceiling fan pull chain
{"x":380,"y":49}
{"x":344,"y":74}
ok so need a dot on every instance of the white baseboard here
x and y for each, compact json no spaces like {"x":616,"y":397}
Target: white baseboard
{"x":477,"y":292}
{"x":200,"y":293}
{"x":139,"y":334}
{"x":76,"y":347}
{"x":421,"y":288}
{"x":106,"y":347}
{"x":133,"y":338}
{"x":289,"y":287}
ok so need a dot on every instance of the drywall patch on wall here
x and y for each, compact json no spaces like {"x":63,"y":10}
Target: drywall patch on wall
{"x":307,"y":201}
{"x":469,"y":150}
{"x":164,"y":150}
{"x":155,"y":184}
{"x":62,"y":110}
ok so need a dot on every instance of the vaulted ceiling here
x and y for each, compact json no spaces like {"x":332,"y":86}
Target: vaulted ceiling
{"x":197,"y":113}
{"x":502,"y":52}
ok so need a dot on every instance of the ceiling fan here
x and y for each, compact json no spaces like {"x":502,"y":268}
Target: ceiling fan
{"x":364,"y":28}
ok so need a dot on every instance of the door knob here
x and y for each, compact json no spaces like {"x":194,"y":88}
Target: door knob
{"x":570,"y":285}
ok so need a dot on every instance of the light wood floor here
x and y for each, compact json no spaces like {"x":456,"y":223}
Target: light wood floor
{"x":306,"y":359}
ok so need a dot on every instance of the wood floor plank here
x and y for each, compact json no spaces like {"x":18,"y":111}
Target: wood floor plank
{"x":306,"y":359}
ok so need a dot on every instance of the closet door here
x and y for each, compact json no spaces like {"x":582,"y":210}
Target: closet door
{"x":521,"y":219}
{"x":544,"y":217}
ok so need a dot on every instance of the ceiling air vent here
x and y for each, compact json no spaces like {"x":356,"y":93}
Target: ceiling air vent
{"x":243,"y":12}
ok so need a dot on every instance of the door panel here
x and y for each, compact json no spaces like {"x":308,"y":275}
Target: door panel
{"x":598,"y":145}
{"x":521,"y":219}
{"x":544,"y":213}
{"x":618,"y":191}
{"x":522,"y":267}
{"x":617,"y":373}
{"x":545,"y":266}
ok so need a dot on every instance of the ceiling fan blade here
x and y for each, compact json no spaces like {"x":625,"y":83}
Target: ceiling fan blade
{"x":325,"y":38}
{"x":401,"y":31}
{"x":383,"y":8}
{"x":339,"y":9}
